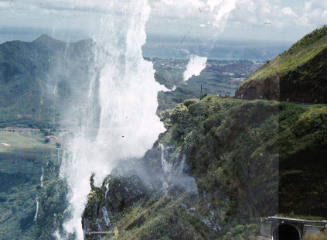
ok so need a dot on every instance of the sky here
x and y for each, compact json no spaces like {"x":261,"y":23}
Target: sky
{"x":259,"y":20}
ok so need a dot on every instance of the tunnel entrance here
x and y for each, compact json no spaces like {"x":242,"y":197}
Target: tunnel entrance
{"x":287,"y":232}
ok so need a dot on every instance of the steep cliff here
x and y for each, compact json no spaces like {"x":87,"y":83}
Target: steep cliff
{"x":221,"y":165}
{"x":297,"y":75}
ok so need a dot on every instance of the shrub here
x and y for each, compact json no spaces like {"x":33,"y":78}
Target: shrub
{"x":319,"y":236}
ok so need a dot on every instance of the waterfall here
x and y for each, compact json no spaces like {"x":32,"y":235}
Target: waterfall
{"x":106,"y":216}
{"x":126,"y":92}
{"x":42,"y":177}
{"x":166,"y":166}
{"x":36,"y":210}
{"x":107,"y":190}
{"x":173,"y":167}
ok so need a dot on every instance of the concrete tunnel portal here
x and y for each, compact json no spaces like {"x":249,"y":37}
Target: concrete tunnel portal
{"x":286,"y":232}
{"x":283,"y":228}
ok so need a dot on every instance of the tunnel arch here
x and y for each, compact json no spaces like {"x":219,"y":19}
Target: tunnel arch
{"x":287,"y":231}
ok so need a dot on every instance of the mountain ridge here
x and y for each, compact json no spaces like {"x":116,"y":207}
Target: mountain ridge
{"x":296,"y":75}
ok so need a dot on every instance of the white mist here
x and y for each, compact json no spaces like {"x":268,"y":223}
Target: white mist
{"x":195,"y":66}
{"x":127,"y":94}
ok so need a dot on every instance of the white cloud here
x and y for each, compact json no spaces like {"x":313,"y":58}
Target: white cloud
{"x":221,"y":10}
{"x":4,"y":5}
{"x":289,"y":12}
{"x":183,"y":3}
{"x":188,"y":16}
{"x":196,"y":3}
{"x":200,"y":18}
{"x":314,"y":13}
{"x":281,"y":15}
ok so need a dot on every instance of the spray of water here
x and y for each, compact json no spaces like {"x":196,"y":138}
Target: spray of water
{"x":195,"y":66}
{"x":218,"y":12}
{"x":126,"y":92}
{"x":37,"y":209}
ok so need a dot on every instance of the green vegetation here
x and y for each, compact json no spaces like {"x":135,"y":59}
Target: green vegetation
{"x":226,"y":142}
{"x":24,"y":157}
{"x":164,"y":218}
{"x":302,"y":160}
{"x":36,"y":84}
{"x":232,"y":160}
{"x":310,"y":38}
{"x":301,"y":52}
{"x":153,"y":215}
{"x":289,"y":61}
{"x":240,"y":144}
{"x":319,"y":236}
{"x":298,"y":74}
{"x":219,"y":77}
{"x":25,"y":140}
{"x":36,"y":81}
{"x":249,"y":159}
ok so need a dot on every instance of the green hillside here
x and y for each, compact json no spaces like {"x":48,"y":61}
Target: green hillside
{"x":221,"y":164}
{"x":298,"y":74}
{"x":224,"y":163}
{"x":39,"y":79}
{"x":36,"y":88}
{"x":36,"y":79}
{"x":249,"y":159}
{"x":32,"y":197}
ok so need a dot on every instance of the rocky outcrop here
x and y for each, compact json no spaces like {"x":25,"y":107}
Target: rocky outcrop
{"x":267,"y":88}
{"x":106,"y":204}
{"x":298,"y":75}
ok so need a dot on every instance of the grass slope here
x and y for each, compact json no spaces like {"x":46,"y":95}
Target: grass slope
{"x":25,"y":155}
{"x":292,"y":74}
{"x":249,"y":159}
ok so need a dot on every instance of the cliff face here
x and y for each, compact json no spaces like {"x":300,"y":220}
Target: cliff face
{"x":221,"y":165}
{"x":297,"y":75}
{"x":256,"y":152}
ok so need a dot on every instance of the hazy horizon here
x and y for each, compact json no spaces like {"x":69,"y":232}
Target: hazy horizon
{"x":166,"y":47}
{"x":270,"y":21}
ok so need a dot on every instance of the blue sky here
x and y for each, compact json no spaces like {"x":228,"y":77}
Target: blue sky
{"x":261,"y":20}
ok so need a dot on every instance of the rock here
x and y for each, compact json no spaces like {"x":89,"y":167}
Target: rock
{"x":297,"y":75}
{"x":105,"y":204}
